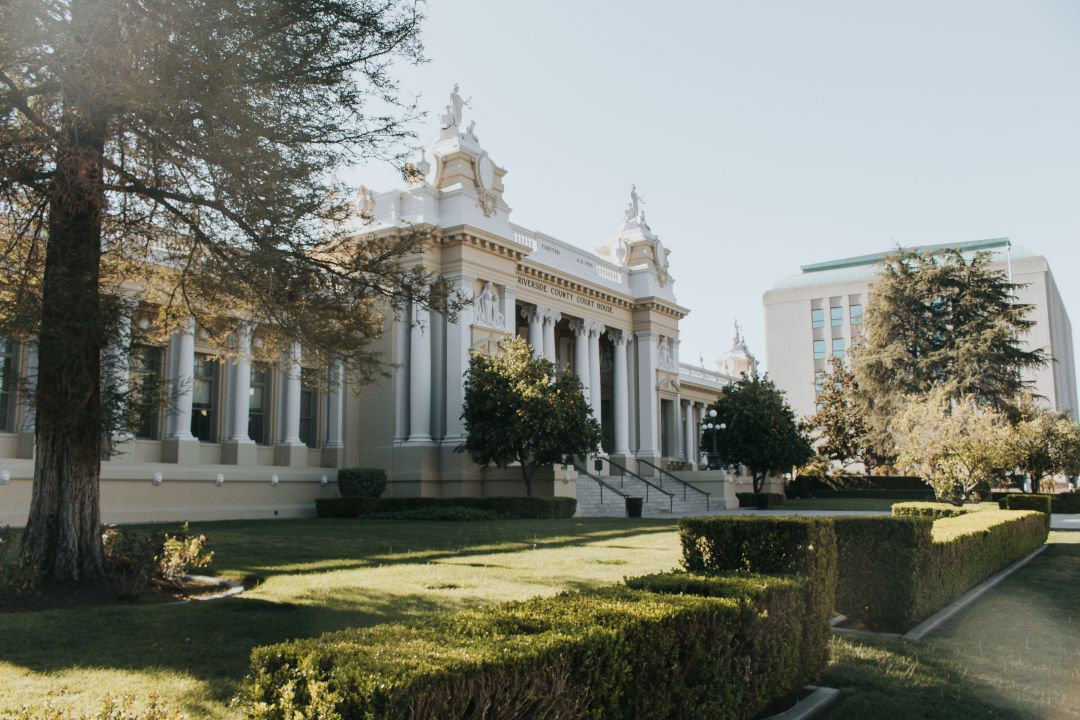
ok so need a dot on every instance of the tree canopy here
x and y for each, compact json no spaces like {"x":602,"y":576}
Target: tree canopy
{"x":841,"y":426}
{"x":519,"y":409}
{"x":184,"y":155}
{"x":941,"y":321}
{"x":957,"y":446}
{"x":1045,"y":443}
{"x":759,"y":429}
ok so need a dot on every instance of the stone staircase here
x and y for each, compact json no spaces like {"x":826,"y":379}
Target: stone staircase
{"x":662,"y":497}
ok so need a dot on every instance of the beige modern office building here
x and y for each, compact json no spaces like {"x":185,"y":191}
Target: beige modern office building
{"x":815,"y":315}
{"x":257,"y":440}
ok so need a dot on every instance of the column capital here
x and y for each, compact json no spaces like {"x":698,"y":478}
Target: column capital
{"x":551,"y":316}
{"x":621,"y":338}
{"x":579,"y":327}
{"x":595,"y":327}
{"x":532,"y":314}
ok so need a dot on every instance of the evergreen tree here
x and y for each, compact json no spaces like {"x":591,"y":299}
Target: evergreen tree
{"x":759,"y":429}
{"x":841,"y":426}
{"x":183,"y":154}
{"x":518,"y":409}
{"x":942,"y":322}
{"x":1045,"y":443}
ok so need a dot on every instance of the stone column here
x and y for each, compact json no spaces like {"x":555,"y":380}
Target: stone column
{"x":621,"y":404}
{"x":535,"y":318}
{"x":509,"y":309}
{"x":550,"y":318}
{"x":581,"y":355}
{"x":180,"y":445}
{"x":28,"y":427}
{"x":678,"y":450}
{"x":458,"y":346}
{"x":290,"y":449}
{"x":239,"y":448}
{"x":401,"y":375}
{"x":595,"y":330}
{"x":420,"y":376}
{"x":647,"y":406}
{"x":688,"y":431}
{"x":333,"y":450}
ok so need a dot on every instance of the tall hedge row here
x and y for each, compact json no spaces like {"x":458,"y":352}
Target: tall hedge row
{"x":1039,"y":503}
{"x":800,"y":546}
{"x":723,"y":650}
{"x":895,"y":571}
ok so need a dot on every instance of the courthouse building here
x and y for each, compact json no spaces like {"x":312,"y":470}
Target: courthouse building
{"x":252,"y":440}
{"x":816,"y":314}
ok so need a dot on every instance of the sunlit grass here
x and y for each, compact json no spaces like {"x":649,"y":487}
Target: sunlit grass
{"x":310,"y":577}
{"x":1013,"y":654}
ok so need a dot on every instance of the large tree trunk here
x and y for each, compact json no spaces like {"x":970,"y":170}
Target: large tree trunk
{"x":63,"y":533}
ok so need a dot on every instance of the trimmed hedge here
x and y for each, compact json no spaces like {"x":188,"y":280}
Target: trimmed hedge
{"x":877,"y":493}
{"x":895,"y":571}
{"x":749,"y":500}
{"x":361,"y":482}
{"x":614,"y":653}
{"x":1039,"y":503}
{"x":516,"y":507}
{"x":1066,"y":502}
{"x":932,"y":510}
{"x":792,"y":545}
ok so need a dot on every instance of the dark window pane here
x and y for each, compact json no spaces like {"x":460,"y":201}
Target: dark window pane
{"x":258,"y":429}
{"x":146,"y":384}
{"x":204,"y":402}
{"x":7,"y":384}
{"x":309,"y":405}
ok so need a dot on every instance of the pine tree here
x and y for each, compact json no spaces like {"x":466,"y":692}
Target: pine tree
{"x":183,"y":154}
{"x":841,"y":423}
{"x":942,"y":322}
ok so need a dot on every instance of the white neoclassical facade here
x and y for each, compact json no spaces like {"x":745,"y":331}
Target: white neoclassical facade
{"x":817,"y":314}
{"x":246,"y":439}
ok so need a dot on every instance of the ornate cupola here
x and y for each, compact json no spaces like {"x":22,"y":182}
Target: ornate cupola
{"x":454,"y":181}
{"x":739,"y":359}
{"x":639,"y":249}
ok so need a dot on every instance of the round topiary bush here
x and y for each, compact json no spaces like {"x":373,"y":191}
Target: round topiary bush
{"x":361,"y":482}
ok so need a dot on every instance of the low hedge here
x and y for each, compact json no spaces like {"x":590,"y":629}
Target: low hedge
{"x":792,"y":545}
{"x":750,"y":500}
{"x":1039,"y":503}
{"x":516,"y":507}
{"x":877,"y":493}
{"x":614,"y":653}
{"x":361,"y":482}
{"x":932,"y":510}
{"x":895,"y":571}
{"x":1066,"y":502}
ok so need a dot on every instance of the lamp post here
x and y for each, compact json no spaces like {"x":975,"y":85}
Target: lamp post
{"x":713,"y":427}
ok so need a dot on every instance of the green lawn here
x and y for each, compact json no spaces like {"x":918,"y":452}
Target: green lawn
{"x":314,"y":576}
{"x":1014,"y":654}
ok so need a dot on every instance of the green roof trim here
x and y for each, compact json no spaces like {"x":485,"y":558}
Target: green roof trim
{"x":875,"y":258}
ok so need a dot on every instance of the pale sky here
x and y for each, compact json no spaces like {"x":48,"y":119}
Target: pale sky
{"x":765,"y":135}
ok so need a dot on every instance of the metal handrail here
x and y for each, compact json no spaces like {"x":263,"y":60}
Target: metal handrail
{"x":676,"y":478}
{"x":582,"y":471}
{"x":648,"y":484}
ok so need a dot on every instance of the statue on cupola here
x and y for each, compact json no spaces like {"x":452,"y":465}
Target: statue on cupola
{"x":739,"y":359}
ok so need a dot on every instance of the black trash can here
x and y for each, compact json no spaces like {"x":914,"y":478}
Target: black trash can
{"x":633,"y":507}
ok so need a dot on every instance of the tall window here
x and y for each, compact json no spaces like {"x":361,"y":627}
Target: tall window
{"x":8,"y":379}
{"x":819,"y":382}
{"x":309,"y":408}
{"x":819,"y":349}
{"x":146,"y":389}
{"x":837,"y":315}
{"x":204,"y":398}
{"x":258,"y":427}
{"x":817,"y":317}
{"x":856,"y":314}
{"x":838,"y":347}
